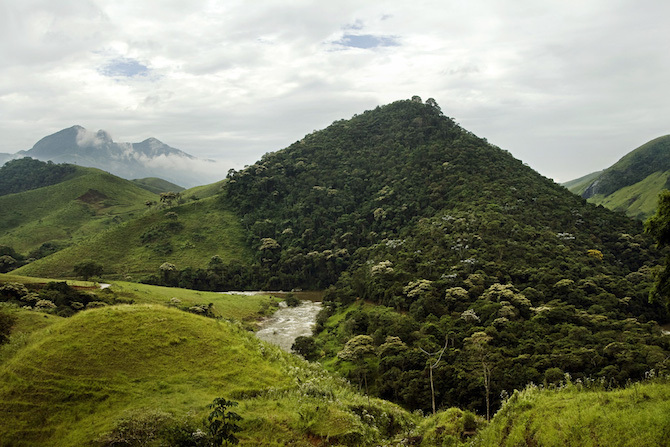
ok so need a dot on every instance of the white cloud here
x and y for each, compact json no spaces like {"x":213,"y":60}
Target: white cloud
{"x":86,"y":138}
{"x":568,"y":87}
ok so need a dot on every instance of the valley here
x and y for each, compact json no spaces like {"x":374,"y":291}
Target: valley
{"x":451,"y":275}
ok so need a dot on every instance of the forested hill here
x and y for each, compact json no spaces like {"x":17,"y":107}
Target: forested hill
{"x":404,"y":175}
{"x":430,"y":233}
{"x":26,"y":173}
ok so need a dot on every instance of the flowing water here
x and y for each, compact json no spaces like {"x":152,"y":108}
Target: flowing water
{"x":288,"y":323}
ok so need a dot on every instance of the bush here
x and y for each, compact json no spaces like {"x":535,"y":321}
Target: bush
{"x":292,"y":300}
{"x":87,"y":269}
{"x":7,"y":322}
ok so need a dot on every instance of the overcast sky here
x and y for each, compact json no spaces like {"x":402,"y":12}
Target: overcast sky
{"x":567,"y":86}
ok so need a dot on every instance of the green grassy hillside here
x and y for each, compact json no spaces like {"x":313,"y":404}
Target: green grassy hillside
{"x":77,"y":379}
{"x":85,"y":204}
{"x":580,"y":184}
{"x":635,"y":416}
{"x":184,"y":235}
{"x":157,"y":185}
{"x":632,"y":184}
{"x":201,"y":192}
{"x":639,"y":200}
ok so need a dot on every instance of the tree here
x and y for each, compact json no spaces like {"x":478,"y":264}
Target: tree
{"x":306,"y":347}
{"x":169,"y":197}
{"x":87,"y":269}
{"x":658,"y":226}
{"x":357,"y":350}
{"x":432,"y":365}
{"x":478,"y":347}
{"x":223,"y":422}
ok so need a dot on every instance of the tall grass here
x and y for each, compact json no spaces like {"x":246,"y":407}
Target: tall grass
{"x":583,"y":414}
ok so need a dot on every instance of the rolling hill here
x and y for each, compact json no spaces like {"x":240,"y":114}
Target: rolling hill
{"x":82,"y":204}
{"x":632,"y":184}
{"x":186,"y":235}
{"x":428,"y":233}
{"x":157,"y":185}
{"x":99,"y":375}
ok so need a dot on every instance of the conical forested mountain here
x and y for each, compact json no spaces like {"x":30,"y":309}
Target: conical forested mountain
{"x":404,"y":174}
{"x":430,"y":233}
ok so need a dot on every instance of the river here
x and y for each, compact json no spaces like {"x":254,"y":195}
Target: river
{"x":288,"y":323}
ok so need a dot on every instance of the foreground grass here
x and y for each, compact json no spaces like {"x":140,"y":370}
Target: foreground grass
{"x":638,"y":415}
{"x":78,"y":377}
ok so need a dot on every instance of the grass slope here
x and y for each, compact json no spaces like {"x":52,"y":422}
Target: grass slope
{"x":242,"y":308}
{"x":638,"y":201}
{"x":83,"y":205}
{"x":578,"y":185}
{"x":77,"y":378}
{"x":633,"y":183}
{"x":204,"y":191}
{"x":200,"y":230}
{"x":157,"y":185}
{"x":637,"y":415}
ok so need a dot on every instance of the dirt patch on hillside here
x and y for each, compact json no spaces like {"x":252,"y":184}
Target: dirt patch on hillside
{"x":92,"y":196}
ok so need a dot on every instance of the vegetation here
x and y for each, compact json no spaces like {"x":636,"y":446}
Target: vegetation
{"x":659,"y":227}
{"x":633,"y":183}
{"x":157,"y":185}
{"x":453,"y":273}
{"x":49,"y":218}
{"x":93,"y":374}
{"x":449,"y":237}
{"x":25,"y":174}
{"x":186,"y":235}
{"x":583,"y":414}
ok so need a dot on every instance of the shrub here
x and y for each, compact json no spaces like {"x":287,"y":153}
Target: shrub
{"x":7,"y":322}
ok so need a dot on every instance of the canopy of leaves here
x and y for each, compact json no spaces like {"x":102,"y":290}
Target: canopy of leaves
{"x":26,"y":173}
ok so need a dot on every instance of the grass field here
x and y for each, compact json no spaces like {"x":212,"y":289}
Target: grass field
{"x":638,"y":201}
{"x":638,"y":415}
{"x":184,"y":235}
{"x":75,"y":379}
{"x":68,"y":212}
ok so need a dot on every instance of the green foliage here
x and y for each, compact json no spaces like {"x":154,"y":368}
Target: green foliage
{"x":223,"y":423}
{"x":151,"y":371}
{"x":26,"y":173}
{"x":632,"y":184}
{"x":292,"y":300}
{"x":635,"y":166}
{"x":7,"y":322}
{"x":450,"y":428}
{"x":145,"y":426}
{"x":659,"y":227}
{"x":88,"y":269}
{"x":157,"y":185}
{"x":306,"y":347}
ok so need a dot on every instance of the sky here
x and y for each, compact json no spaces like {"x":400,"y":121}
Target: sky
{"x":566,"y":86}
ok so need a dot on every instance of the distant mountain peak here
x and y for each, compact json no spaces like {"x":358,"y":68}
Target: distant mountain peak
{"x":149,"y":158}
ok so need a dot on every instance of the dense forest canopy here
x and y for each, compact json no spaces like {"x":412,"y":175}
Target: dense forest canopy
{"x":26,"y":173}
